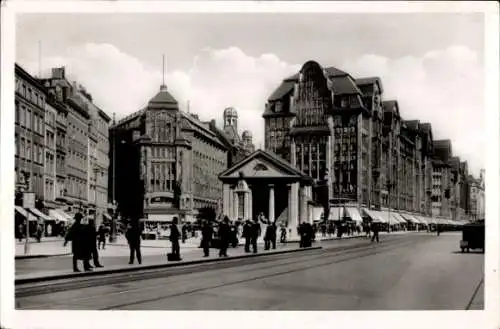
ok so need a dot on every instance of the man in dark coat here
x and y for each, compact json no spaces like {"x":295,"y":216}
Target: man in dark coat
{"x":76,"y":235}
{"x":133,"y":236}
{"x":174,"y":239}
{"x":375,"y":229}
{"x":91,"y":234}
{"x":207,"y":232}
{"x":255,"y":234}
{"x":101,"y":235}
{"x":247,"y":234}
{"x":224,"y":237}
{"x":270,"y":236}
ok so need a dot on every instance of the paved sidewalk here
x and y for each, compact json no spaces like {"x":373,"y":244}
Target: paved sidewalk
{"x":54,"y":247}
{"x":57,"y":266}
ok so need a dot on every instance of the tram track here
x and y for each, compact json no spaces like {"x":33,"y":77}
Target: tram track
{"x":38,"y":288}
{"x":280,"y":266}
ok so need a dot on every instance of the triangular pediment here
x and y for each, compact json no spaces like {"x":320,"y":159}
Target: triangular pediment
{"x":261,"y":164}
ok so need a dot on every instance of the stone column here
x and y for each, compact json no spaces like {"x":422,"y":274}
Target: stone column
{"x":246,"y":210}
{"x":294,"y":210}
{"x":250,"y":204}
{"x":225,"y":200}
{"x":290,"y":206}
{"x":293,"y":153}
{"x":329,"y":166}
{"x":302,"y":205}
{"x":235,"y":205}
{"x":271,"y":203}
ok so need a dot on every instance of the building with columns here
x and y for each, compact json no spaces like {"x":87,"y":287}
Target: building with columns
{"x":265,"y":183}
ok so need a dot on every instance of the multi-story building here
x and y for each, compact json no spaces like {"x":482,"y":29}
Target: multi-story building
{"x":465,"y":190}
{"x":82,"y":133}
{"x":334,"y":127}
{"x":442,"y":178}
{"x":477,"y":196}
{"x":170,"y":160}
{"x":30,"y":106}
{"x":50,"y":175}
{"x":318,"y":122}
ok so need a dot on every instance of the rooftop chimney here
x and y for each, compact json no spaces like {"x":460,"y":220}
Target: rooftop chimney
{"x":58,"y":73}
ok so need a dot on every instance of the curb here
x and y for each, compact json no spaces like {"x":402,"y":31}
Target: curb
{"x":154,"y":266}
{"x":40,"y":256}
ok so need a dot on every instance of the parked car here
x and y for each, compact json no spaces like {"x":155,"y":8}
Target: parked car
{"x":472,"y":236}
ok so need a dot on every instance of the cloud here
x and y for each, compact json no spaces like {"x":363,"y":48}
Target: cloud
{"x":444,"y":87}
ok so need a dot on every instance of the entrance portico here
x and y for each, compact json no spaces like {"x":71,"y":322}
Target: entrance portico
{"x":265,"y":183}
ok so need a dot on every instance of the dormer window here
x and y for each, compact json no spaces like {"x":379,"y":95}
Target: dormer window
{"x":344,"y":102}
{"x":279,"y":107}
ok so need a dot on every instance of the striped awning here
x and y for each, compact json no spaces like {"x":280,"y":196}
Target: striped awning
{"x":421,"y":219}
{"x":373,"y":214}
{"x":39,"y":214}
{"x":383,"y":215}
{"x":396,"y":218}
{"x":410,"y":218}
{"x":57,"y":215}
{"x":354,"y":214}
{"x":21,"y":210}
{"x":336,"y":213}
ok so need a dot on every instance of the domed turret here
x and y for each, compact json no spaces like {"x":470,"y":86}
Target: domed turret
{"x":247,"y":134}
{"x":231,"y":118}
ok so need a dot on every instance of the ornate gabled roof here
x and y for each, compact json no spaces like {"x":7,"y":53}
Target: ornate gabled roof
{"x":344,"y":85}
{"x":442,"y":150}
{"x":412,"y":124}
{"x":272,"y":157}
{"x":330,"y":72}
{"x":370,"y":81}
{"x":284,"y":89}
{"x":391,"y":106}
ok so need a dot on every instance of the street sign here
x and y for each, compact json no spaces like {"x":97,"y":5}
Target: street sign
{"x":28,"y":200}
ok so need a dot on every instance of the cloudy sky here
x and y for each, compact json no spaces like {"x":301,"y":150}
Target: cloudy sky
{"x":431,"y":63}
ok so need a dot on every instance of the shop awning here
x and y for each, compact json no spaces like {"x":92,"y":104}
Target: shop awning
{"x":39,"y":214}
{"x":382,"y":215}
{"x":410,"y":218}
{"x":373,"y":214}
{"x":398,"y":218}
{"x":58,"y":216}
{"x":421,"y":219}
{"x":336,"y":213}
{"x":107,"y":216}
{"x":354,"y":214}
{"x":160,"y":218}
{"x":21,"y":211}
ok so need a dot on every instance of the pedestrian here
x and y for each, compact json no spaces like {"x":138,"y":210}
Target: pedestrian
{"x":133,"y":236}
{"x":247,"y":234}
{"x":224,"y":237}
{"x":234,"y":235}
{"x":256,"y":231}
{"x":184,"y":233}
{"x":438,"y":229}
{"x":101,"y":235}
{"x":76,"y":235}
{"x":273,"y":234}
{"x":375,"y":230}
{"x":174,"y":239}
{"x":39,"y":231}
{"x":91,"y":234}
{"x":207,"y":232}
{"x":20,"y":232}
{"x":283,"y":234}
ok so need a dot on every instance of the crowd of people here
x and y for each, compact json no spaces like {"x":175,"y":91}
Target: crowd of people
{"x":221,"y":234}
{"x":84,"y":239}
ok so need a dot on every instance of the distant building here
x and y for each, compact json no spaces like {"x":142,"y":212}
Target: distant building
{"x":168,"y":161}
{"x":82,"y":134}
{"x":477,"y":197}
{"x":442,"y":179}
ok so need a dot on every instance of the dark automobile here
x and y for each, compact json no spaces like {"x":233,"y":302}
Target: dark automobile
{"x":472,"y":236}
